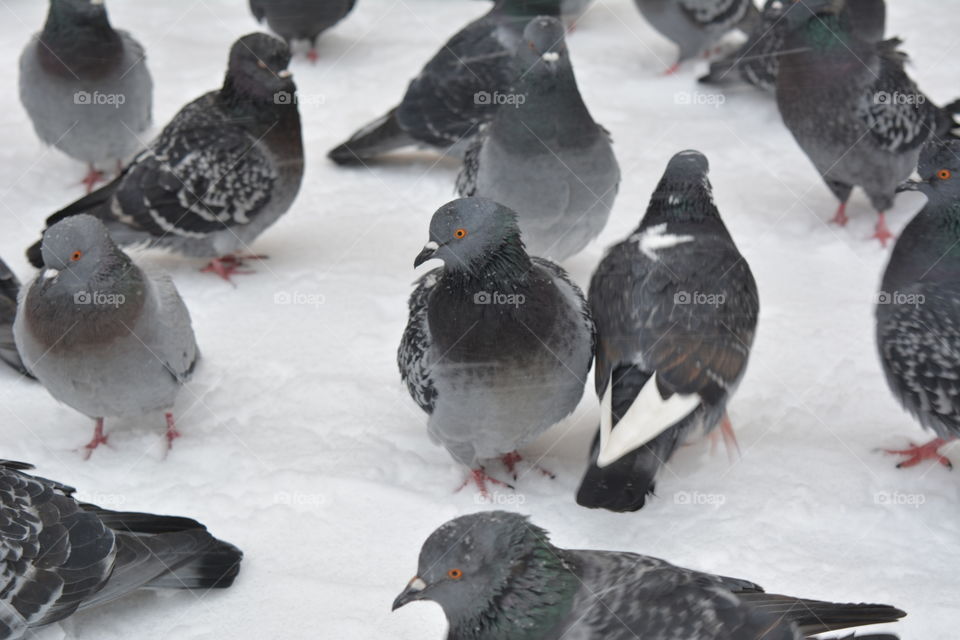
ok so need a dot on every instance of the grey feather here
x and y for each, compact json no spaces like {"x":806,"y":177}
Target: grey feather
{"x":696,"y":25}
{"x":301,"y":19}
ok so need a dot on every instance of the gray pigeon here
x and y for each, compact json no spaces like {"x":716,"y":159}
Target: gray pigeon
{"x":86,"y":87}
{"x":459,"y":89}
{"x":227,"y":166}
{"x":544,"y":156}
{"x":102,"y":335}
{"x":757,"y":61}
{"x":675,"y":306}
{"x":301,"y":19}
{"x":918,"y":309}
{"x":496,"y":576}
{"x":9,"y":292}
{"x":697,"y":25}
{"x":852,"y":108}
{"x":59,"y":556}
{"x":499,"y":344}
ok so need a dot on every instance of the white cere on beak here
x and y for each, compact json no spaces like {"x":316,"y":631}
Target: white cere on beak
{"x":286,"y":73}
{"x":431,"y":246}
{"x":417,"y":584}
{"x":50,"y":274}
{"x":550,"y":56}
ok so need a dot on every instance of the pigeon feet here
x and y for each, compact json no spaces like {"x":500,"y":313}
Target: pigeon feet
{"x":172,"y":433}
{"x":312,"y":55}
{"x":840,"y":217}
{"x":672,"y":69}
{"x":93,"y":176}
{"x":882,"y":232}
{"x":729,"y":439}
{"x":98,"y":439}
{"x":918,"y":453}
{"x":230,"y":265}
{"x":511,"y":459}
{"x":480,"y":478}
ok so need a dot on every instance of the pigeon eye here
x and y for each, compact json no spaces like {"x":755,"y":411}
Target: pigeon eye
{"x":76,"y":255}
{"x":455,"y":574}
{"x":944,"y":174}
{"x":460,"y":234}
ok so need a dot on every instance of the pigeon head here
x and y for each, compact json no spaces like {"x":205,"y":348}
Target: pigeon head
{"x":939,"y":171}
{"x":258,"y":70}
{"x":78,"y":15}
{"x":543,"y":43}
{"x":78,"y":40}
{"x":470,"y":561}
{"x":469,"y":232}
{"x":800,"y":12}
{"x":684,"y":193}
{"x":76,"y":249}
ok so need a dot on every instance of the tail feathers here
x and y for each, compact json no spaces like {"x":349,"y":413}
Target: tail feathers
{"x":378,"y":137}
{"x":215,"y":568}
{"x":92,"y":203}
{"x":816,"y":616}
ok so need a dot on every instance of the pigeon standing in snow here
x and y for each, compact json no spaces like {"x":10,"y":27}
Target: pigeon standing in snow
{"x":918,"y":309}
{"x":59,"y":556}
{"x":675,"y":306}
{"x":852,"y":108}
{"x":9,"y":292}
{"x":499,"y":344}
{"x":545,"y":157}
{"x":458,"y":90}
{"x":224,"y":169}
{"x":496,"y":575}
{"x":757,"y":61}
{"x":85,"y":86}
{"x":697,"y":25}
{"x":102,"y":335}
{"x":301,"y":19}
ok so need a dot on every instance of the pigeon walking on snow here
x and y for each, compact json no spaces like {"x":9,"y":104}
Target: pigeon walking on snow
{"x":852,"y":108}
{"x":9,"y":292}
{"x":496,"y":575}
{"x":59,"y":556}
{"x":697,"y":25}
{"x":545,"y":157}
{"x":918,"y":308}
{"x":458,"y":90}
{"x":301,"y":19}
{"x":499,"y":344}
{"x":675,"y":307}
{"x":224,"y":169}
{"x":757,"y":61}
{"x":86,"y":87}
{"x":102,"y":335}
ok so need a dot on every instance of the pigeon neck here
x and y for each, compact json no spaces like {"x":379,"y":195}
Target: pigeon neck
{"x":84,"y":52}
{"x":931,"y":241}
{"x":509,"y":263}
{"x":681,"y":201}
{"x":262,"y":106}
{"x":546,"y":106}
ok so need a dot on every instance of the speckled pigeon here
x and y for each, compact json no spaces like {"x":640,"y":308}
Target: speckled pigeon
{"x":102,"y":335}
{"x":499,"y":344}
{"x":697,"y":25}
{"x":458,"y":90}
{"x":9,"y":291}
{"x":544,"y":156}
{"x":675,"y":306}
{"x":496,"y":576}
{"x":301,"y":19}
{"x":224,"y":169}
{"x":59,"y":556}
{"x":918,"y":308}
{"x":757,"y":61}
{"x":86,"y":87}
{"x":852,"y":108}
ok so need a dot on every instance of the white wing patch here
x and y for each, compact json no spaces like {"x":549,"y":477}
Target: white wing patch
{"x":648,"y":416}
{"x":655,"y":238}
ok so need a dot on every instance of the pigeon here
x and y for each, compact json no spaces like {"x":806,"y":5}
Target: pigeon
{"x":224,"y":169}
{"x":101,"y":334}
{"x":697,"y":25}
{"x":571,"y":10}
{"x":59,"y":556}
{"x":757,"y":61}
{"x":86,"y":87}
{"x":498,"y":344}
{"x":497,"y":575}
{"x":458,"y":90}
{"x":301,"y":19}
{"x":918,"y":308}
{"x":545,"y":157}
{"x":852,"y":108}
{"x":9,"y":292}
{"x":675,"y":307}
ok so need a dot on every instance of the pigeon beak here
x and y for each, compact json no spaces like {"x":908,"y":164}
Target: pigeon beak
{"x":284,"y":74}
{"x":910,"y":185}
{"x":413,"y":592}
{"x":429,"y":250}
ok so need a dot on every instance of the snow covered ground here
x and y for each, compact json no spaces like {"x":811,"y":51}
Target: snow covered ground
{"x":301,"y":445}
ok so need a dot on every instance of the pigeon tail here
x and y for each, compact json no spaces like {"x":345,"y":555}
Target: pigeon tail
{"x":817,"y":616}
{"x":380,"y":136}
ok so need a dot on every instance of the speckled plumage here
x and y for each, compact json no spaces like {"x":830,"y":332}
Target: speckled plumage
{"x":301,"y":19}
{"x":513,"y":584}
{"x":696,"y":25}
{"x":59,"y":556}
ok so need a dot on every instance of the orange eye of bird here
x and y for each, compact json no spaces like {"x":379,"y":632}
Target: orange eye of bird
{"x":76,"y":255}
{"x":460,"y":234}
{"x":455,"y":574}
{"x":944,"y":174}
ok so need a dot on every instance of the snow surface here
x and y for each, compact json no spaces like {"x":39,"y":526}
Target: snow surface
{"x":301,"y":445}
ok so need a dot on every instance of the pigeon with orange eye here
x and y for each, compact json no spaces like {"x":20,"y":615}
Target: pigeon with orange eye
{"x":918,"y":307}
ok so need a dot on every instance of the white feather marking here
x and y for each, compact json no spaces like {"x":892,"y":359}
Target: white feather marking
{"x":656,"y":237}
{"x":550,"y":56}
{"x":648,"y":416}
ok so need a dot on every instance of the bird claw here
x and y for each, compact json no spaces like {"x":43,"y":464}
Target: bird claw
{"x":230,"y":265}
{"x":172,"y":433}
{"x":98,"y":439}
{"x":840,"y":217}
{"x":313,"y":56}
{"x":882,"y":232}
{"x":511,"y":459}
{"x":93,"y":176}
{"x":918,"y":453}
{"x":480,"y":478}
